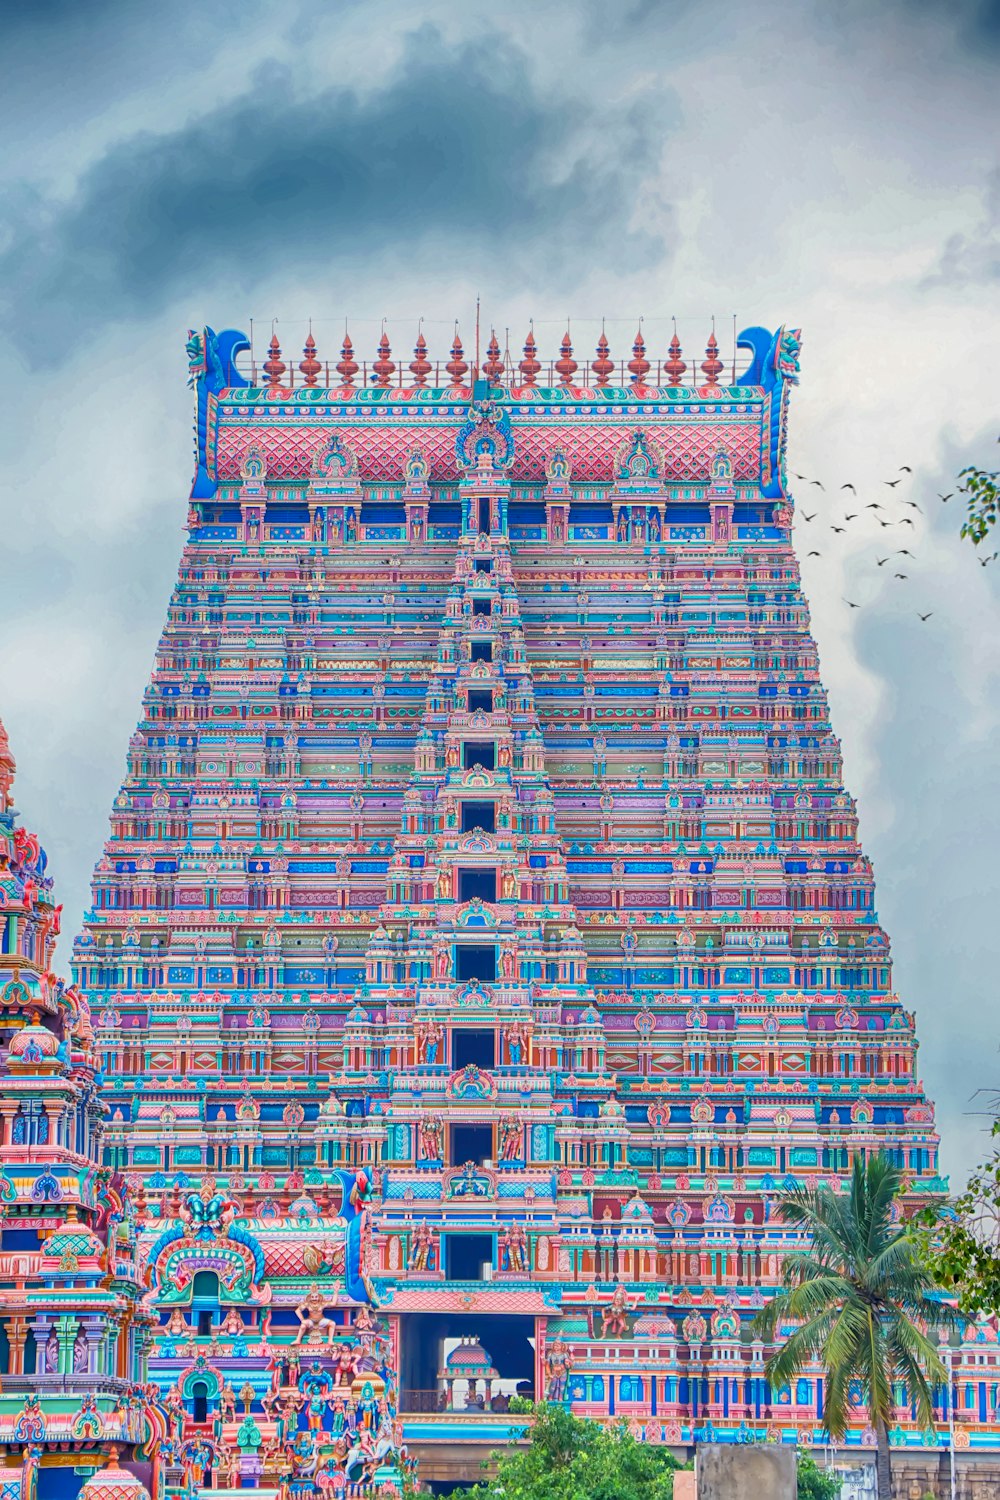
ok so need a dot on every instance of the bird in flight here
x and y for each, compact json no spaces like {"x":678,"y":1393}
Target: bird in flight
{"x":838,"y":528}
{"x":905,"y":522}
{"x":800,"y":476}
{"x":874,"y":506}
{"x":850,"y":603}
{"x":818,"y":483}
{"x":884,"y":524}
{"x":880,"y":562}
{"x":905,"y":469}
{"x":901,"y":575}
{"x":814,"y":554}
{"x":852,"y":516}
{"x":902,"y":552}
{"x":926,"y":616}
{"x":892,"y":483}
{"x":945,"y":497}
{"x":913,"y":505}
{"x":984,"y":560}
{"x":810,"y":518}
{"x":849,"y":487}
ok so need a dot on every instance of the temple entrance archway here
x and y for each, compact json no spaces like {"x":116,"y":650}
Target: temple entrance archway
{"x":432,"y":1343}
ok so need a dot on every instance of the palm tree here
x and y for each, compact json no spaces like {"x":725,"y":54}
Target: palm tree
{"x":863,"y":1303}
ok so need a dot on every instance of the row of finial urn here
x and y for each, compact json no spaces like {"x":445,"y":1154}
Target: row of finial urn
{"x":494,"y":365}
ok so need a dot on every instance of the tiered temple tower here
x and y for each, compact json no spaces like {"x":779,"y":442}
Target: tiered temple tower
{"x":483,"y":942}
{"x":73,"y":1335}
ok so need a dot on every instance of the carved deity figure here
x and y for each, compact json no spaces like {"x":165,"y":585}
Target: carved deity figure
{"x":517,"y":1042}
{"x":442,"y":963}
{"x":510,"y":1138}
{"x":556,"y":1370}
{"x":614,"y":1318}
{"x":420,"y":1247}
{"x":430,"y":1134}
{"x":232,"y":1324}
{"x":314,"y":1326}
{"x":429,"y":1039}
{"x":514,"y":1242}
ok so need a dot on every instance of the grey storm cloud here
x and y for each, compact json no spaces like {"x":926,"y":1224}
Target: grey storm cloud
{"x":457,"y":150}
{"x":973,"y":258}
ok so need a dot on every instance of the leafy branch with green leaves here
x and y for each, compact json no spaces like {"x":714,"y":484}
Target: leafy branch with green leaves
{"x":573,"y":1458}
{"x":961,"y":1242}
{"x":981,"y":488}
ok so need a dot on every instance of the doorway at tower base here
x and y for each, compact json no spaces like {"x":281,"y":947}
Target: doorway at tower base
{"x":465,"y":1364}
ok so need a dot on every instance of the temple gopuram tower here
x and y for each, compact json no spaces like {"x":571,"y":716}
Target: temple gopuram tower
{"x":483,"y":942}
{"x":73,"y":1334}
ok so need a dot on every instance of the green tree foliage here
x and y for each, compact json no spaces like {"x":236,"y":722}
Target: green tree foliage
{"x":962,"y":1241}
{"x":862,"y":1300}
{"x":568,"y":1458}
{"x":981,"y":488}
{"x":815,"y":1483}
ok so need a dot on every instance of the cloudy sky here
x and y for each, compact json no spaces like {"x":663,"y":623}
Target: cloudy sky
{"x":836,"y":167}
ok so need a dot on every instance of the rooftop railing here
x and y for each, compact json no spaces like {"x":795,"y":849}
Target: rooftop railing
{"x":511,"y":378}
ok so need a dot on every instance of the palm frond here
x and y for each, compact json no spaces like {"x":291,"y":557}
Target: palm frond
{"x":859,"y":1298}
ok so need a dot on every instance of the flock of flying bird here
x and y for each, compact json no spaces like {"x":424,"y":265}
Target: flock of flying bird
{"x":881,"y":513}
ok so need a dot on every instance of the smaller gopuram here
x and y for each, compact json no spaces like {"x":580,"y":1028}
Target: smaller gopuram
{"x":74,"y":1411}
{"x":275,"y":1373}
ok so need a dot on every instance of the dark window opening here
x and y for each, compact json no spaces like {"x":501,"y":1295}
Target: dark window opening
{"x":479,"y":753}
{"x":481,"y":651}
{"x":479,"y":815}
{"x":483,"y":564}
{"x":21,"y":1239}
{"x":477,"y":963}
{"x":205,"y":1322}
{"x":484,"y":515}
{"x":481,"y":607}
{"x":477,"y":883}
{"x":477,"y":1047}
{"x":481,"y":698}
{"x":467,"y":1256}
{"x":199,"y":1393}
{"x":471,"y":1143}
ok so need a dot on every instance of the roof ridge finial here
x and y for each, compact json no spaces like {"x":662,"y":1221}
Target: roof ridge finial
{"x":420,"y":365}
{"x":675,"y":366}
{"x":638,"y":364}
{"x":456,"y":366}
{"x":566,"y":365}
{"x":347,"y":365}
{"x":383,"y":367}
{"x":310,"y":365}
{"x":493,"y":363}
{"x":603,"y":365}
{"x":8,"y":769}
{"x":529,"y":366}
{"x":712,"y":364}
{"x":274,"y":366}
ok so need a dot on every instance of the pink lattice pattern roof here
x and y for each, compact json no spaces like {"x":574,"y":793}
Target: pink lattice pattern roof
{"x":688,"y":446}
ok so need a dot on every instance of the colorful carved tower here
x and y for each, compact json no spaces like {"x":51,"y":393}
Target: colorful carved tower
{"x":72,"y":1333}
{"x":483,"y":942}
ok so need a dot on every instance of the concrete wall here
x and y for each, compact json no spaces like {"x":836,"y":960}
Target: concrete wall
{"x":738,"y":1471}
